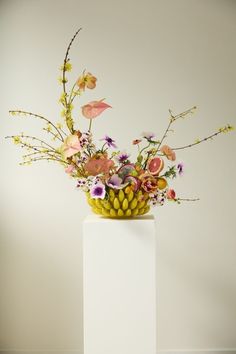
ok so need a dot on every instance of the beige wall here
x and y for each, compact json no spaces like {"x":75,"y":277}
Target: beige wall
{"x":149,"y":56}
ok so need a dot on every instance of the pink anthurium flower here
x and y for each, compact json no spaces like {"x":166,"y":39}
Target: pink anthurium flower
{"x":70,"y":146}
{"x":94,"y":108}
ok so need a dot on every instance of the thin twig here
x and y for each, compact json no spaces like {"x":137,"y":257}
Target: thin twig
{"x":173,"y":118}
{"x":65,"y":61}
{"x":197,"y":142}
{"x":40,"y":117}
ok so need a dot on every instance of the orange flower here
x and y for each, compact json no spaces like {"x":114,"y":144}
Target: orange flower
{"x":86,"y":80}
{"x":136,"y":141}
{"x":94,"y":109}
{"x":168,"y":152}
{"x":96,"y":166}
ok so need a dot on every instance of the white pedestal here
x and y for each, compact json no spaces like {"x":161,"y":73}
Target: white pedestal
{"x":119,"y":259}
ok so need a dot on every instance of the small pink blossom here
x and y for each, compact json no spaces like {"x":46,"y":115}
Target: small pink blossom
{"x":171,"y":194}
{"x":168,"y":152}
{"x":94,"y":108}
{"x":70,"y":146}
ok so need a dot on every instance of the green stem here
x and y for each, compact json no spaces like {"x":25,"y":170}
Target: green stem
{"x":90,"y":125}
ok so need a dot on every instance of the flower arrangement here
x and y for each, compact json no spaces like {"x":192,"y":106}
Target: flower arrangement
{"x":115,"y":186}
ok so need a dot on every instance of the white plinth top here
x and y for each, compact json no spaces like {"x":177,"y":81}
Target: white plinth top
{"x":97,"y":218}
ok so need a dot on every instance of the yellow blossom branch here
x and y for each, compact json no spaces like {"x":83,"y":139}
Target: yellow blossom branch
{"x":225,"y":129}
{"x":15,"y":112}
{"x":19,"y":137}
{"x":173,"y":118}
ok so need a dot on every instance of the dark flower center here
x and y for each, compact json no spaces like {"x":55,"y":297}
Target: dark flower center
{"x":98,"y":191}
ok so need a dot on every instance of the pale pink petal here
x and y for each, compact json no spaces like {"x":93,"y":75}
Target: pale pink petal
{"x":70,"y":151}
{"x":71,"y":146}
{"x":94,"y":109}
{"x":70,"y":169}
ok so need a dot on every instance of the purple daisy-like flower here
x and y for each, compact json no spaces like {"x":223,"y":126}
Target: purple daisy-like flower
{"x":122,"y":157}
{"x":109,"y":141}
{"x":180,"y":168}
{"x":116,"y":182}
{"x":148,"y":135}
{"x":98,"y":190}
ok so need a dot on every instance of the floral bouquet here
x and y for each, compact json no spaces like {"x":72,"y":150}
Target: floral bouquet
{"x":115,"y":186}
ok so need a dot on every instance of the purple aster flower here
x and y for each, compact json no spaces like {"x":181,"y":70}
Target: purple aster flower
{"x":122,"y":157}
{"x":98,"y":191}
{"x":116,"y":182}
{"x":180,"y":168}
{"x":109,"y":141}
{"x":148,"y":135}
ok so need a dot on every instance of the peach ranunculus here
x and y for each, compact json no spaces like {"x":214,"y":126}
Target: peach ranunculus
{"x":93,"y":109}
{"x":86,"y":80}
{"x":149,"y":183}
{"x":96,"y":166}
{"x":70,"y":146}
{"x":168,"y":152}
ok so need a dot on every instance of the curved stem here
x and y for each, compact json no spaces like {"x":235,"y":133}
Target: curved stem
{"x":197,"y":142}
{"x":32,"y":138}
{"x":53,"y":134}
{"x":146,"y":147}
{"x":65,"y":61}
{"x":172,"y":120}
{"x":187,"y":199}
{"x":40,"y":117}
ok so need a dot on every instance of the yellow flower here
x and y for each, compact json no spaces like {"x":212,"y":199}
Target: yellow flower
{"x":63,"y":113}
{"x":67,"y":66}
{"x":59,"y":125}
{"x":16,"y":139}
{"x":61,"y":81}
{"x":62,"y":99}
{"x":48,"y":128}
{"x":226,"y":129}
